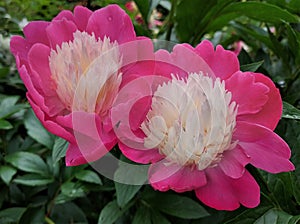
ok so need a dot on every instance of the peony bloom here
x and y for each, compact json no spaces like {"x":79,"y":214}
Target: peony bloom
{"x":203,"y":124}
{"x":71,"y":68}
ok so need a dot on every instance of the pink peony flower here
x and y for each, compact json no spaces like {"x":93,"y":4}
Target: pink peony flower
{"x":71,"y":68}
{"x":201,"y":124}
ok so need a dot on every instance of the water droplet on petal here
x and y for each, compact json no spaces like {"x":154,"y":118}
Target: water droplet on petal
{"x":109,"y":18}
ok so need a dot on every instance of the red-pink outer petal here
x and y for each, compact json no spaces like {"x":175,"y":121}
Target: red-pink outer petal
{"x":265,"y":148}
{"x":270,"y":114}
{"x":164,"y":177}
{"x":112,"y":22}
{"x":224,"y":193}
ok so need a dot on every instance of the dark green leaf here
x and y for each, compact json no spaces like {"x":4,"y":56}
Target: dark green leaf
{"x":254,"y":32}
{"x":68,"y":213}
{"x":110,"y":213}
{"x":157,"y":217}
{"x":129,"y":178}
{"x":33,"y":215}
{"x":195,"y":11}
{"x":262,"y":12}
{"x":142,"y":215}
{"x":293,"y":39}
{"x":144,"y":8}
{"x":73,"y":190}
{"x":176,"y":205}
{"x":275,"y":216}
{"x":6,"y":173}
{"x":88,"y":176}
{"x":290,"y":112}
{"x":59,"y":149}
{"x":8,"y":106}
{"x":125,"y":192}
{"x":33,"y":180}
{"x":251,"y":67}
{"x":5,"y":125}
{"x":37,"y":131}
{"x":249,"y":216}
{"x":11,"y":215}
{"x":29,"y":162}
{"x":291,"y":132}
{"x":4,"y":71}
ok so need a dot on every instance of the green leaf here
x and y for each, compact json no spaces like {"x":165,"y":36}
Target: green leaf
{"x":28,"y":162}
{"x":195,"y":11}
{"x":59,"y":149}
{"x":125,"y":192}
{"x":157,"y":217}
{"x":33,"y":180}
{"x":88,"y":176}
{"x":275,"y":216}
{"x":262,"y":12}
{"x":68,"y":213}
{"x":290,"y":112}
{"x":176,"y":205}
{"x":251,"y":67}
{"x":142,"y":215}
{"x":6,"y":173}
{"x":129,"y":179}
{"x":291,"y":132}
{"x":4,"y":71}
{"x":148,"y":215}
{"x":8,"y":106}
{"x":11,"y":215}
{"x":144,"y":8}
{"x":110,"y":213}
{"x":37,"y":131}
{"x":248,"y":216}
{"x":73,"y":190}
{"x":5,"y":125}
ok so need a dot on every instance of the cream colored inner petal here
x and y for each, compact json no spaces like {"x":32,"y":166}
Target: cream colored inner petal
{"x":87,"y":73}
{"x":191,"y":121}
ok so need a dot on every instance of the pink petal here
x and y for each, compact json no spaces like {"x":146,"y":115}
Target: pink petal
{"x":81,"y":16}
{"x":222,"y":62}
{"x":224,"y":193}
{"x":60,"y":31}
{"x":113,"y":22}
{"x":136,"y":51}
{"x":129,"y":110}
{"x":32,"y":90}
{"x":74,"y":156}
{"x":247,"y":190}
{"x":91,"y":140}
{"x":143,"y":156}
{"x":65,"y":15}
{"x":186,"y":59}
{"x":164,"y":177}
{"x":266,"y":149}
{"x":49,"y":123}
{"x":248,"y":94}
{"x":35,"y":32}
{"x":271,"y":111}
{"x":38,"y":59}
{"x":233,"y":162}
{"x":19,"y":47}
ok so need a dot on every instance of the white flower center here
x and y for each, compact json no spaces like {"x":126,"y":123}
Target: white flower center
{"x":191,"y":121}
{"x":86,"y":73}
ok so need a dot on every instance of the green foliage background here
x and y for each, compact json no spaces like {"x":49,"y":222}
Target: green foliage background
{"x":37,"y":187}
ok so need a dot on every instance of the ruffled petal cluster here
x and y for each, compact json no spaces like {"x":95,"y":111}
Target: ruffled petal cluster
{"x":190,"y":113}
{"x":72,"y":68}
{"x":224,"y":183}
